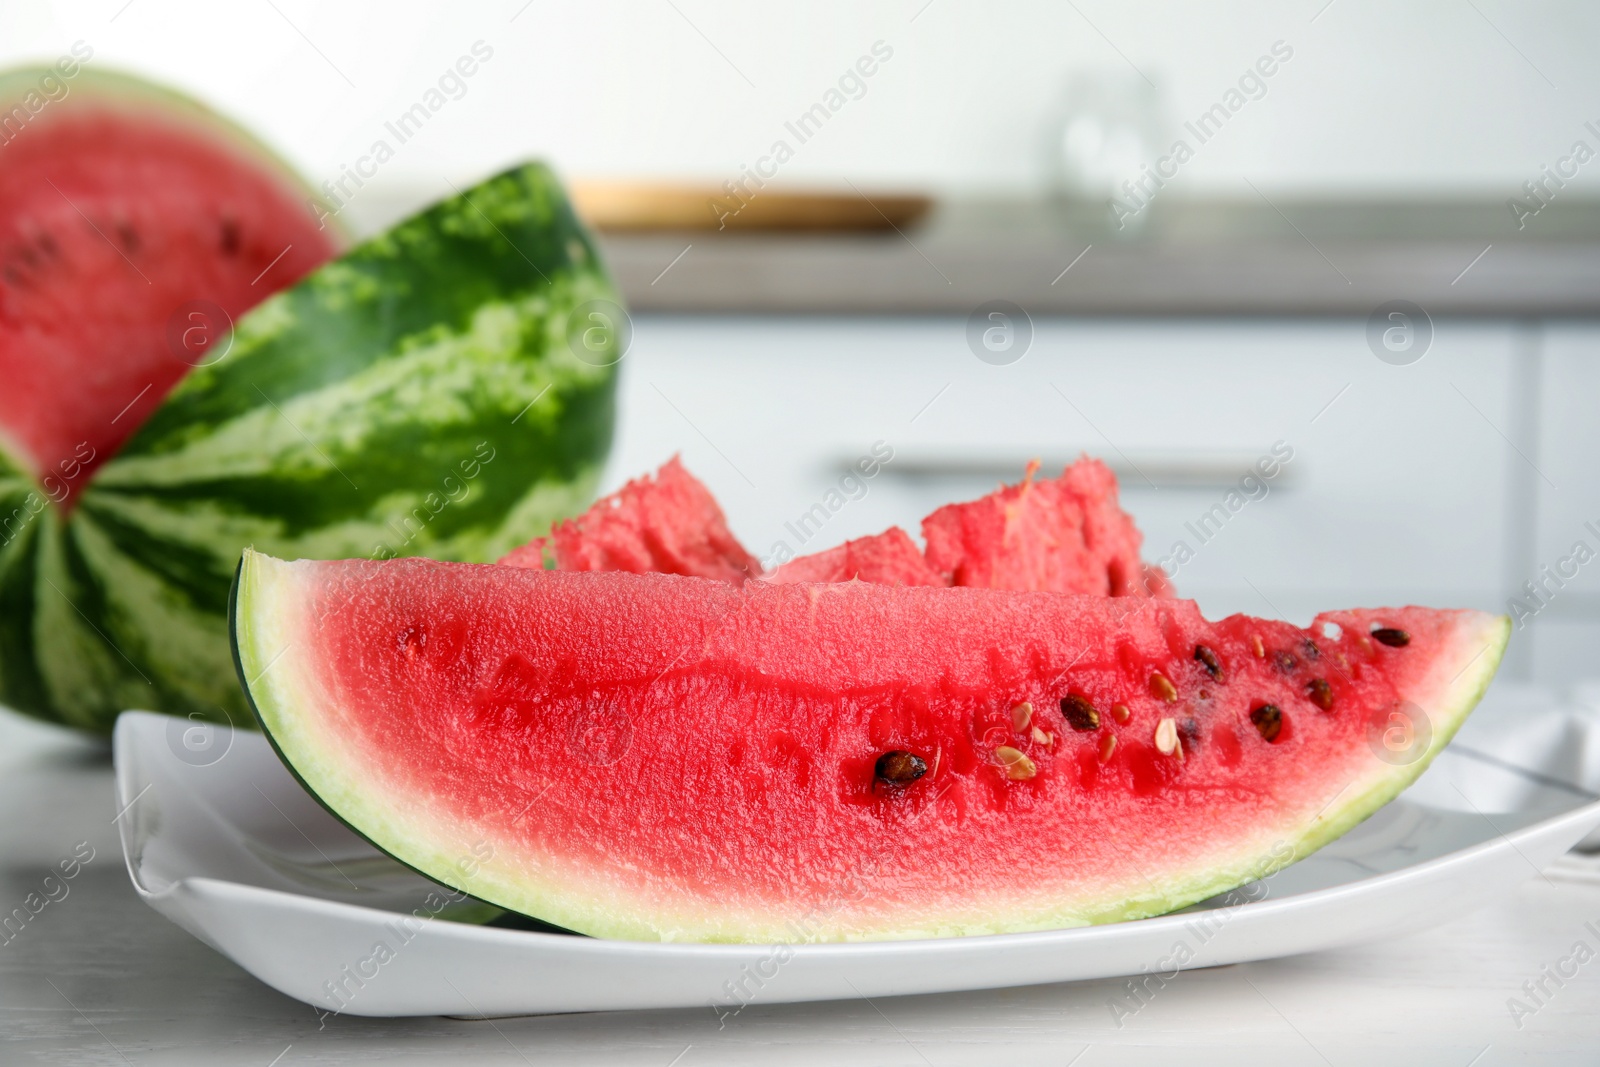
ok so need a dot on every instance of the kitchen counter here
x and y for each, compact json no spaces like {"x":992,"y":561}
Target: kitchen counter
{"x":1249,"y":257}
{"x":98,"y":977}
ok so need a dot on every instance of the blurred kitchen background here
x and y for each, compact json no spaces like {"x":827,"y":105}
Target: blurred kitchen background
{"x":1379,"y":251}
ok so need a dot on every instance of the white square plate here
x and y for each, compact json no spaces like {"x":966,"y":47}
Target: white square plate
{"x":220,"y":839}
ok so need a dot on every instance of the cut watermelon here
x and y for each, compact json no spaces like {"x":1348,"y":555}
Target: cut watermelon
{"x":418,"y":395}
{"x":668,"y":524}
{"x":889,"y":558}
{"x":660,"y":757}
{"x":1065,"y":534}
{"x":133,"y":222}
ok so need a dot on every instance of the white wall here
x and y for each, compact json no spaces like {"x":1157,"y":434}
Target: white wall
{"x":1443,"y":94}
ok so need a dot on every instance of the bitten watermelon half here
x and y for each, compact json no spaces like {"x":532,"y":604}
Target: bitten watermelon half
{"x":417,"y":396}
{"x":661,"y":757}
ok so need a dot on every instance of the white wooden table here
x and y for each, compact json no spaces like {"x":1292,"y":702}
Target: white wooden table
{"x":98,"y":978}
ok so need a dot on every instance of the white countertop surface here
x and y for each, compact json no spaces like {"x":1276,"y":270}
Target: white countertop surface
{"x":1193,"y":257}
{"x":98,"y":978}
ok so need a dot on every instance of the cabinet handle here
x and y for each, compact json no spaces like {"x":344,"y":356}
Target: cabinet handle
{"x":1171,"y":469}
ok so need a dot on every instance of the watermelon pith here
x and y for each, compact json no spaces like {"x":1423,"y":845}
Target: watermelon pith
{"x":417,"y":395}
{"x":667,"y":758}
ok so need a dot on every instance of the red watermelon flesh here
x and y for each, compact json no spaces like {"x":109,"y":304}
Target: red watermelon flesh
{"x":127,"y":217}
{"x":1066,"y":534}
{"x":889,"y":558}
{"x":658,"y":757}
{"x":669,"y":524}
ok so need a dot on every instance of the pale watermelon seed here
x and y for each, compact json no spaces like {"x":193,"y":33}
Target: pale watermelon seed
{"x":1120,"y":712}
{"x":1167,"y":738}
{"x":1108,"y":745}
{"x":1163,"y":688}
{"x":1256,"y":643}
{"x":1021,"y":715}
{"x":1018,"y":766}
{"x":1044,"y":737}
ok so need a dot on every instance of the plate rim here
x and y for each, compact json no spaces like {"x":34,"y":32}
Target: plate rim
{"x":126,"y":745}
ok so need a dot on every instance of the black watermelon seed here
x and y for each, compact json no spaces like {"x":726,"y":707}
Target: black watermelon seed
{"x":1268,"y":721}
{"x":1079,"y":713}
{"x":1388,"y":635}
{"x":1321,"y":693}
{"x":1208,"y":659}
{"x":900,"y":768}
{"x":230,"y":237}
{"x":1285,"y":660}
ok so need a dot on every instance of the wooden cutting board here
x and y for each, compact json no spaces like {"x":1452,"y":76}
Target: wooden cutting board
{"x":614,"y":206}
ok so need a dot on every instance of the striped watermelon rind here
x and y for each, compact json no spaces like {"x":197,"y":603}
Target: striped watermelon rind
{"x":417,"y":396}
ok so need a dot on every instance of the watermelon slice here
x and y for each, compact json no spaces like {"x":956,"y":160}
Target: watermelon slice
{"x":670,"y":524}
{"x":419,"y":395}
{"x":661,"y":757}
{"x":1065,"y":534}
{"x":889,"y":558}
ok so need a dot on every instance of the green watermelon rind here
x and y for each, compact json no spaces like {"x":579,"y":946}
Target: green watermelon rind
{"x":1446,"y":712}
{"x":284,"y":706}
{"x":328,"y":430}
{"x":484,"y":912}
